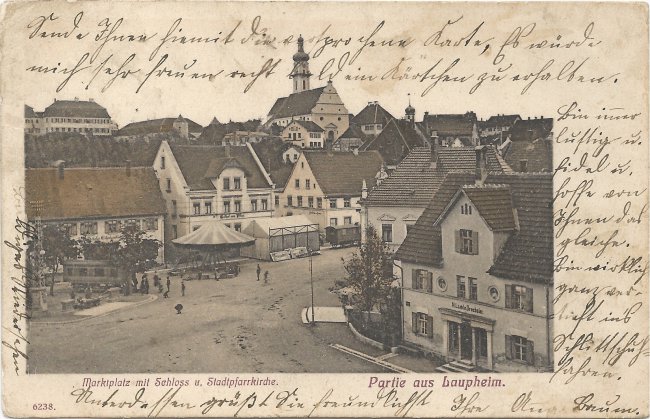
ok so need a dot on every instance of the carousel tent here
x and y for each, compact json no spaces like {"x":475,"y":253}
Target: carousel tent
{"x":214,"y":234}
{"x":280,"y":233}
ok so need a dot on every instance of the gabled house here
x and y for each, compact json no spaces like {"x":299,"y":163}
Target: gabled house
{"x":477,"y":272}
{"x":204,"y":183}
{"x":96,"y":203}
{"x":396,"y":141}
{"x":304,"y":134}
{"x":497,"y":124}
{"x":372,"y":119}
{"x":394,"y":206}
{"x":352,"y":138}
{"x":451,"y":130}
{"x":327,"y":186}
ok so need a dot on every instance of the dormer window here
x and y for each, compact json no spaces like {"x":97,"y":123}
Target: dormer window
{"x":466,"y":209}
{"x":467,"y":242}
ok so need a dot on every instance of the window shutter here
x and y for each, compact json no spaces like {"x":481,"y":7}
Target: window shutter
{"x":457,"y":235}
{"x":508,"y":296}
{"x":530,"y":352}
{"x":429,"y":281}
{"x":430,"y":327}
{"x":475,"y":242}
{"x":414,"y":322}
{"x":508,"y":346}
{"x":529,"y":300}
{"x":414,"y":279}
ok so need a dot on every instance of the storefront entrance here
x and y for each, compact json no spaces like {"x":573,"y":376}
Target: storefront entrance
{"x":469,"y":343}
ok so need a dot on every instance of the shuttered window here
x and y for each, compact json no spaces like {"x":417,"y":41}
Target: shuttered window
{"x":422,"y":324}
{"x":520,"y":349}
{"x":422,"y":280}
{"x":519,"y":297}
{"x":466,"y":242}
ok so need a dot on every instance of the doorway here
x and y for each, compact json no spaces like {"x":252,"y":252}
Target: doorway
{"x":466,"y":340}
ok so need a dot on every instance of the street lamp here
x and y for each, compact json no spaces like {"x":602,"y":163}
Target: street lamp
{"x":311,"y":281}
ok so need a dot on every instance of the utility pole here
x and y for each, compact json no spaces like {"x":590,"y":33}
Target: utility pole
{"x":311,"y":280}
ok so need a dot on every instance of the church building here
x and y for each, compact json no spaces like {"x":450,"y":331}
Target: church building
{"x":322,"y":105}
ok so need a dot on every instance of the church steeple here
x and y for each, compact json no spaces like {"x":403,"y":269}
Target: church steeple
{"x":300,"y":73}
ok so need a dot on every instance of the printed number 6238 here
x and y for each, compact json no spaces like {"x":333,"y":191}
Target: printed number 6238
{"x":43,"y":406}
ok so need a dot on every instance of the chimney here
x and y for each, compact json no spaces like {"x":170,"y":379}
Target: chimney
{"x":523,"y":166}
{"x":481,"y":164}
{"x":355,"y":151}
{"x":61,"y":170}
{"x":128,"y":168}
{"x":364,"y":190}
{"x":434,"y":153}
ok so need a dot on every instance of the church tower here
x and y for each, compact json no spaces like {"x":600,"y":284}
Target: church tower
{"x":410,"y":112}
{"x":300,"y":73}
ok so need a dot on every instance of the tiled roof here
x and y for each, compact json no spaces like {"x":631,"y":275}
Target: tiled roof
{"x":270,"y":155}
{"x":537,"y":153}
{"x":411,"y":184}
{"x":464,"y":159}
{"x":501,"y":121}
{"x":29,"y":112}
{"x":494,"y":204}
{"x":373,"y":113}
{"x":309,"y":126}
{"x":450,"y":124}
{"x":528,"y":252}
{"x":353,"y":131}
{"x":199,"y":163}
{"x":343,"y":173}
{"x":154,"y":126}
{"x":531,"y":129}
{"x":75,"y":108}
{"x":300,"y":103}
{"x":395,"y":141}
{"x":414,"y":181}
{"x":93,"y":193}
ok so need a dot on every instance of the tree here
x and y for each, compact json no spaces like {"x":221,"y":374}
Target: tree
{"x":57,"y":246}
{"x":367,"y":271}
{"x":135,"y":253}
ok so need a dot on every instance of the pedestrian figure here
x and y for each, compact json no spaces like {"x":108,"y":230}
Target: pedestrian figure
{"x":183,"y":288}
{"x":266,"y":277}
{"x":135,"y":283}
{"x":259,"y":271}
{"x":169,"y":282}
{"x":89,"y":292}
{"x":178,"y":308}
{"x":166,"y":294}
{"x":146,"y":286}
